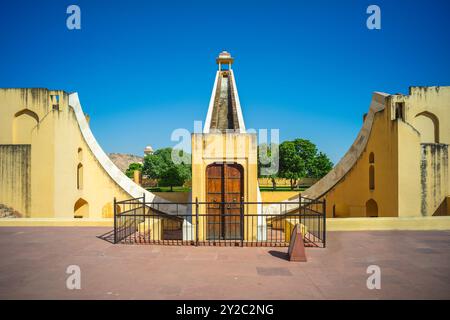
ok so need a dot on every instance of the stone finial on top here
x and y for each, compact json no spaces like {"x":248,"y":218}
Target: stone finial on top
{"x":148,"y":150}
{"x":224,"y":59}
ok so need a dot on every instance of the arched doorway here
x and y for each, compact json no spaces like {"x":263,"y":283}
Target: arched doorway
{"x":24,"y":121}
{"x":371,"y":208}
{"x":224,"y":190}
{"x":81,"y":209}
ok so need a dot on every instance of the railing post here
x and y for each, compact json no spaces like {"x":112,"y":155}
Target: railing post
{"x":196,"y":221}
{"x":115,"y":221}
{"x":242,"y":221}
{"x":300,"y":210}
{"x":143,"y":204}
{"x":324,"y":222}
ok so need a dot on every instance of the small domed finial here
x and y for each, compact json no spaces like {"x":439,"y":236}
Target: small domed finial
{"x":224,"y":59}
{"x":148,"y":150}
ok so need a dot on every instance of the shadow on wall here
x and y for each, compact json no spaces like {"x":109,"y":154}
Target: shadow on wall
{"x":428,"y":126}
{"x":108,"y":212}
{"x":443,"y":209}
{"x":371,"y":208}
{"x":24,"y":121}
{"x":81,"y":209}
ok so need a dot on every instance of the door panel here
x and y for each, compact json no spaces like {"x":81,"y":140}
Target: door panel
{"x":214,"y":194}
{"x":224,"y":184}
{"x":233,"y":193}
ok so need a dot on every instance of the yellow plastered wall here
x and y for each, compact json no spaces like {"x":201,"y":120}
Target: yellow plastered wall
{"x":434,"y":101}
{"x":55,"y":143}
{"x":218,"y":148}
{"x":176,"y":197}
{"x":408,"y":170}
{"x":424,"y":136}
{"x":349,"y":197}
{"x":411,"y":174}
{"x":15,"y":162}
{"x":278,"y":196}
{"x":97,"y":188}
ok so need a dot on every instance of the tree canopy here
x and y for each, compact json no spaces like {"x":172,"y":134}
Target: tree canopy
{"x":133,"y":167}
{"x":268,"y":161}
{"x":160,"y":166}
{"x":299,"y":158}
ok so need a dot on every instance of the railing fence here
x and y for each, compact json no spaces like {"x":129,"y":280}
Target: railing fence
{"x":219,"y":223}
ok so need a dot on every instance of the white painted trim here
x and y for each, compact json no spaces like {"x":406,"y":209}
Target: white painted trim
{"x":262,"y":220}
{"x":238,"y":105}
{"x":351,"y":157}
{"x":211,"y":106}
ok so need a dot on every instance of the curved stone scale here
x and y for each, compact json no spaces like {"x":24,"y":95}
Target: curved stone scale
{"x":352,"y":155}
{"x":134,"y":190}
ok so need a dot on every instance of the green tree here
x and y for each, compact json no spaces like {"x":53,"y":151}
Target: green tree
{"x":160,"y":166}
{"x":157,"y":163}
{"x":322,"y":165}
{"x":301,"y":159}
{"x":268,"y":159}
{"x":171,"y":177}
{"x":132,"y":168}
{"x":291,"y":165}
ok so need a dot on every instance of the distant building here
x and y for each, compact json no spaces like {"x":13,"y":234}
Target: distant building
{"x":148,"y":150}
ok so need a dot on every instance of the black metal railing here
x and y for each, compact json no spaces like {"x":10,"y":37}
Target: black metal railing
{"x":219,"y":223}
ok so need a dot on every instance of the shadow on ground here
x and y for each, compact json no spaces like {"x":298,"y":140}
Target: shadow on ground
{"x":279,"y":254}
{"x":108,"y":236}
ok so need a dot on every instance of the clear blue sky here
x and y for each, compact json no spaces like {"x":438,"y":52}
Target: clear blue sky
{"x":144,"y":68}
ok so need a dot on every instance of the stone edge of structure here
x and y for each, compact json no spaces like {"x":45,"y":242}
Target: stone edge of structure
{"x":105,"y":162}
{"x":388,"y":223}
{"x":238,"y":105}
{"x":333,"y":224}
{"x":350,"y":158}
{"x":56,"y":222}
{"x":207,"y":125}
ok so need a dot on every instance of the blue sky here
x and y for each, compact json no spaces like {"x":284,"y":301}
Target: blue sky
{"x":145,"y":68}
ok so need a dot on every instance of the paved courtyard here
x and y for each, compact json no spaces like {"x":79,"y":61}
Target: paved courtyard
{"x":33,"y":262}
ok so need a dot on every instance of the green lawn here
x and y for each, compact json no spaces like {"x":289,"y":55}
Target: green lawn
{"x":281,"y":189}
{"x":167,"y":189}
{"x":185,"y":189}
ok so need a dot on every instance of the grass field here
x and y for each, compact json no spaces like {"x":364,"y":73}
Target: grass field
{"x":186,"y":189}
{"x":267,"y":188}
{"x":167,"y":189}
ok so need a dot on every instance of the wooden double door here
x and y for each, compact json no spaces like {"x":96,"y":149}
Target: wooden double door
{"x":224,"y":190}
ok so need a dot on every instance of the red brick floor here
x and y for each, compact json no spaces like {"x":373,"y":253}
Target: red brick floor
{"x":33,"y":262}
